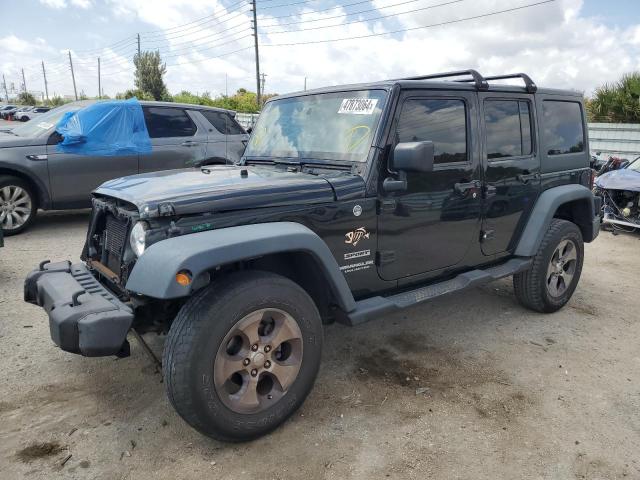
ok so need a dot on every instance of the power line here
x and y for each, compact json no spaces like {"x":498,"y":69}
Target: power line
{"x":358,"y":37}
{"x":229,"y":10}
{"x":370,"y":19}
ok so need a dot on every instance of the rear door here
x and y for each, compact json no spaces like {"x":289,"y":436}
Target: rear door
{"x":511,"y":168}
{"x":227,"y":139}
{"x":177,"y":140}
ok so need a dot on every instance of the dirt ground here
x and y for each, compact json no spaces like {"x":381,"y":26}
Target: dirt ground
{"x":471,"y":386}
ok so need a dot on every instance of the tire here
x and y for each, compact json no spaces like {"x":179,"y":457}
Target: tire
{"x":205,"y":334}
{"x":547,"y":287}
{"x":18,"y":206}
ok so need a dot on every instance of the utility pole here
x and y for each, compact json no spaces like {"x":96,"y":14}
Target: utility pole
{"x":24,"y":82}
{"x":305,"y":84}
{"x":138,"y":45}
{"x":46,"y":87}
{"x":99,"y":86}
{"x":4,"y":84}
{"x":263,"y":79}
{"x":73,"y":77}
{"x":255,"y":35}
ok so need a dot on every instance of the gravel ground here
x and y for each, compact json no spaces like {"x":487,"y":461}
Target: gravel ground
{"x":471,"y":386}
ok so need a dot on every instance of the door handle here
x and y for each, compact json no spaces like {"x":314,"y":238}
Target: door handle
{"x":189,"y":143}
{"x":38,"y":158}
{"x":526,"y":177}
{"x":462,"y":187}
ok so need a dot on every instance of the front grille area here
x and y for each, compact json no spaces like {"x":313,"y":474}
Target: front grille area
{"x":115,"y":238}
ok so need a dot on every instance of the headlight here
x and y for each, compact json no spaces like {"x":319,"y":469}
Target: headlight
{"x":138,"y":237}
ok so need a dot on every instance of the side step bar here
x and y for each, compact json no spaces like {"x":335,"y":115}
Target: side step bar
{"x":370,"y":308}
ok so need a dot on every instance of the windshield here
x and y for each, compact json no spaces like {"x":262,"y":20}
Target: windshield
{"x":634,"y":165}
{"x":326,"y":126}
{"x":45,"y":121}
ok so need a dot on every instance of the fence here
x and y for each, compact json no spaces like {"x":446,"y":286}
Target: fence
{"x":615,"y":139}
{"x":247,"y":119}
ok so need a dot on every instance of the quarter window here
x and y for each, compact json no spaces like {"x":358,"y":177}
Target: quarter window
{"x":223,"y":122}
{"x":441,"y":121}
{"x":168,"y":122}
{"x":508,"y":128}
{"x":563,"y":129}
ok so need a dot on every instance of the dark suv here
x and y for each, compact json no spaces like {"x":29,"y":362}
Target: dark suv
{"x":349,"y":203}
{"x":34,"y":174}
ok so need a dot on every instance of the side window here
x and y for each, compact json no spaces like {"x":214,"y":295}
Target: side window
{"x":168,"y":122}
{"x":223,"y":122}
{"x":563,"y":129}
{"x":508,"y":128}
{"x":444,"y":122}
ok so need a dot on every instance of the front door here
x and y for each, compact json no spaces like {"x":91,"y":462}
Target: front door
{"x":433,"y":223}
{"x":512,"y":168}
{"x":177,"y":141}
{"x":73,"y":177}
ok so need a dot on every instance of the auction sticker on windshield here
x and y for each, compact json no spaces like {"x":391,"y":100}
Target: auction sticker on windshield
{"x":358,"y":106}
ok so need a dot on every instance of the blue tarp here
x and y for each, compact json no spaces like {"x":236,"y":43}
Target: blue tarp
{"x":109,"y":128}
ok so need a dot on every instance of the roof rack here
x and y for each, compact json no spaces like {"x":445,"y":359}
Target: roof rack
{"x":481,"y":83}
{"x":529,"y":84}
{"x":479,"y":80}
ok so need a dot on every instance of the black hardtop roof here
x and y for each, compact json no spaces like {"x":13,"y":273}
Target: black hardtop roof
{"x":465,"y":80}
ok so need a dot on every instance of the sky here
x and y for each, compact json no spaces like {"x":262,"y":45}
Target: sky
{"x":576,"y":44}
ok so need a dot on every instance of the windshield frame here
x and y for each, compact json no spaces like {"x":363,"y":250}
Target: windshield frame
{"x":377,"y":129}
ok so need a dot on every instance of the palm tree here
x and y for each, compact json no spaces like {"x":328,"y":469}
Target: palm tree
{"x":618,"y":102}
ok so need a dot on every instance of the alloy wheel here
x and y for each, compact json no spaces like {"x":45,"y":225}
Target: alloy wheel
{"x":562,"y":268}
{"x":15,"y":207}
{"x":258,"y":360}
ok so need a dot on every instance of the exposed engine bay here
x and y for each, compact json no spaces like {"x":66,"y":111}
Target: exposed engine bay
{"x":621,"y":208}
{"x":620,"y":193}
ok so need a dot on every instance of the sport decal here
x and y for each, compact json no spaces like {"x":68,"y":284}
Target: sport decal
{"x":352,"y":238}
{"x":361,"y":253}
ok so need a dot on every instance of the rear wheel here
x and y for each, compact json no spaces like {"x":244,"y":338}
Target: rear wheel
{"x":17,"y":205}
{"x":242,"y":355}
{"x":550,"y":282}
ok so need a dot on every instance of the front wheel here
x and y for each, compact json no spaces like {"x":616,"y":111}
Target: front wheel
{"x":17,"y":205}
{"x":242,"y":355}
{"x":550,"y":282}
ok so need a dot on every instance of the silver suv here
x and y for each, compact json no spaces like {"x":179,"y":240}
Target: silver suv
{"x":34,"y":174}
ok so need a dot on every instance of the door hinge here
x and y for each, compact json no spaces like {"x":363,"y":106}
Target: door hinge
{"x":384,"y":257}
{"x":486,"y":235}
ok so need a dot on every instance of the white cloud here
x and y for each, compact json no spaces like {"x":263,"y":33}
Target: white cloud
{"x":54,"y":3}
{"x":84,"y":4}
{"x":555,"y":43}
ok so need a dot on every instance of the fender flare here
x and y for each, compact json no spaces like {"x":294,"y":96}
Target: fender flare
{"x":544,"y":210}
{"x":154,"y":273}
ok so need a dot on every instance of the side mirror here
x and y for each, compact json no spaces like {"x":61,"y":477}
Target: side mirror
{"x":413,"y":157}
{"x":55,"y":138}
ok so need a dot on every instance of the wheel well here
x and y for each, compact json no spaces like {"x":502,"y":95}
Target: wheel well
{"x":303,"y":269}
{"x":579,"y":212}
{"x":40,"y":196}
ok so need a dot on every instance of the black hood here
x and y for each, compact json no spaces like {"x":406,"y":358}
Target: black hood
{"x":226,"y":188}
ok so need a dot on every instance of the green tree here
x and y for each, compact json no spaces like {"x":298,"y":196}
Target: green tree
{"x":618,"y":102}
{"x":25,"y":98}
{"x":56,"y":101}
{"x":135,"y":92}
{"x":149,"y":75}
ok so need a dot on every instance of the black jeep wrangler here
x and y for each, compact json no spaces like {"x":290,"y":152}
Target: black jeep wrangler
{"x":350,"y":202}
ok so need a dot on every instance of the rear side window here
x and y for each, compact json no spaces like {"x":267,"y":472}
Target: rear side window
{"x":168,"y":122}
{"x":223,"y":122}
{"x":508,"y":127}
{"x":443,"y":122}
{"x":563,"y":129}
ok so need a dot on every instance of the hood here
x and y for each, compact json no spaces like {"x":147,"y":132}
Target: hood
{"x":8,"y":140}
{"x":624,"y":179}
{"x":226,"y":188}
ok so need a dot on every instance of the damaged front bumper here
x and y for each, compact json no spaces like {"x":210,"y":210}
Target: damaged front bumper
{"x":84,"y":317}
